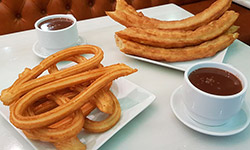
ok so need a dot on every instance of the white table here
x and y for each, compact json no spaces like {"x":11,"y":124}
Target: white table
{"x":156,"y":127}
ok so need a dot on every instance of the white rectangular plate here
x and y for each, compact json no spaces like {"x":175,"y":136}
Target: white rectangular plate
{"x":133,"y":100}
{"x":245,"y":3}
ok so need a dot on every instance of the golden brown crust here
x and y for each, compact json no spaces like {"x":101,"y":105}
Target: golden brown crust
{"x":206,"y":49}
{"x":104,"y":101}
{"x":180,"y":38}
{"x":25,"y":83}
{"x":70,"y":144}
{"x":106,"y":124}
{"x":128,"y":17}
{"x":65,"y":129}
{"x":55,"y":110}
{"x":105,"y":75}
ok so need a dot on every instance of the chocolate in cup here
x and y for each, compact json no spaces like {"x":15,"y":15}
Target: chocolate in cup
{"x":60,"y":37}
{"x":211,"y":109}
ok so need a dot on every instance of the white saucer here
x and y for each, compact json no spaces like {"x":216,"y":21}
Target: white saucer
{"x":237,"y":124}
{"x":43,"y":52}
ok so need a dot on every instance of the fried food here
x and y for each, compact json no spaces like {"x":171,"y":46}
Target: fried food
{"x":109,"y":122}
{"x":180,"y":38}
{"x":105,"y":75}
{"x":28,"y":79}
{"x":104,"y":101}
{"x":67,"y":144}
{"x":54,"y":107}
{"x":199,"y":36}
{"x":127,"y":16}
{"x":206,"y":49}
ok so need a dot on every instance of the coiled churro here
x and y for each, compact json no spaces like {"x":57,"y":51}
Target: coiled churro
{"x":54,"y":107}
{"x":28,"y":79}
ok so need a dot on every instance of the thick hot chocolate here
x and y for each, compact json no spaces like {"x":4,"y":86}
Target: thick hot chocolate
{"x":215,"y":81}
{"x":55,"y":24}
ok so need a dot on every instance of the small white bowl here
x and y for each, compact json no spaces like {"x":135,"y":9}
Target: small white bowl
{"x":57,"y":39}
{"x":210,"y":109}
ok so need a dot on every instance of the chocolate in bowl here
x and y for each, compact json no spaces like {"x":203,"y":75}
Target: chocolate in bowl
{"x":55,"y":24}
{"x":215,"y":81}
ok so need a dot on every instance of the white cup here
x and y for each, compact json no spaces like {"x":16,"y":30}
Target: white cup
{"x":210,"y":109}
{"x":57,"y":39}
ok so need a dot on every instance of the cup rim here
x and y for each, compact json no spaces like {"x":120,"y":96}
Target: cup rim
{"x":70,"y":16}
{"x":212,"y":64}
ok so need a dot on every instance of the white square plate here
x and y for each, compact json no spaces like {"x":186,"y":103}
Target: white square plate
{"x":133,"y":100}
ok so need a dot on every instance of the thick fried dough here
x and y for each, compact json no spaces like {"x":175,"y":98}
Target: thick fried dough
{"x":180,"y":38}
{"x":127,"y":16}
{"x":206,"y":49}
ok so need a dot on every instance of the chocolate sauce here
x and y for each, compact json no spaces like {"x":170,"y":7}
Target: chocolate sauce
{"x":55,"y":24}
{"x":215,"y":81}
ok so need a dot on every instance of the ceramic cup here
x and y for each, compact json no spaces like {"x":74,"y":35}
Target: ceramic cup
{"x":57,"y":39}
{"x":210,"y":109}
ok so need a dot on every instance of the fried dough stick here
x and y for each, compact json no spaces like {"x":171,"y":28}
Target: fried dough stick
{"x":31,"y":122}
{"x":62,"y":133}
{"x":109,"y":122}
{"x":55,"y":110}
{"x":127,"y":16}
{"x":28,"y":79}
{"x":102,"y":100}
{"x":206,"y":49}
{"x":65,"y":131}
{"x":180,"y":38}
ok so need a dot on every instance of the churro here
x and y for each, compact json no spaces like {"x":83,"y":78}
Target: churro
{"x":28,"y":79}
{"x":54,"y":107}
{"x":180,"y":38}
{"x":129,"y":17}
{"x":195,"y":37}
{"x":206,"y":49}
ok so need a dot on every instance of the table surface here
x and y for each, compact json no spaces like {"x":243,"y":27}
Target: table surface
{"x":156,"y":127}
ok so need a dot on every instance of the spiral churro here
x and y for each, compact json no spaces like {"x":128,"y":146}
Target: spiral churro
{"x":25,"y":83}
{"x":54,"y":107}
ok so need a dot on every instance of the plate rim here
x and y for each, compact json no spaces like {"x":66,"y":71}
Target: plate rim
{"x":177,"y":67}
{"x":36,"y":47}
{"x":245,"y":108}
